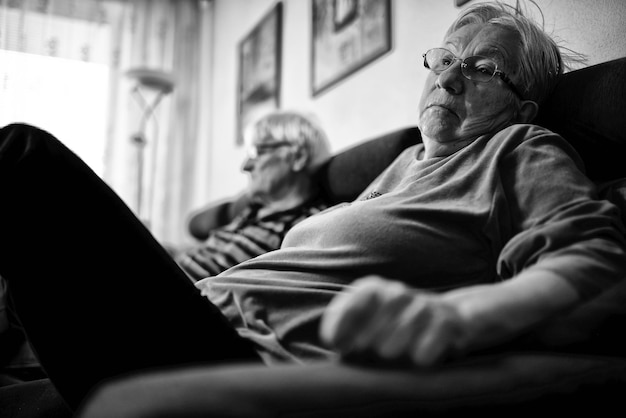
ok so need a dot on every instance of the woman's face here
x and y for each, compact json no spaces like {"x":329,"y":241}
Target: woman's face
{"x":453,"y":110}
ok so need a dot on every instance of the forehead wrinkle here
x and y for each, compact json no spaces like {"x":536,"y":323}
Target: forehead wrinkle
{"x":450,"y":43}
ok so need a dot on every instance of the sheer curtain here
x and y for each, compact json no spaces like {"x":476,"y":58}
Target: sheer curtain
{"x":114,"y":36}
{"x":164,"y":35}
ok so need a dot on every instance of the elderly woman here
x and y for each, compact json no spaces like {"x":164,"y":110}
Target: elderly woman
{"x":468,"y":241}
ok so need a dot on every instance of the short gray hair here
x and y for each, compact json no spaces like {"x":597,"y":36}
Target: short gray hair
{"x":540,"y":58}
{"x":297,"y":128}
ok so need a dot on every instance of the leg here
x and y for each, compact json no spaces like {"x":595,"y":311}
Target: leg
{"x":96,"y":294}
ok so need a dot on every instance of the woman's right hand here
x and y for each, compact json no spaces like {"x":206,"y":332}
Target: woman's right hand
{"x":390,"y":321}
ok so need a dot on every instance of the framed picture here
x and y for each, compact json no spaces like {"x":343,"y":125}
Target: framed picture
{"x":347,"y":35}
{"x":259,"y":70}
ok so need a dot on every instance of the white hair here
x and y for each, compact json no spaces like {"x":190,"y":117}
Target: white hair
{"x":297,"y":128}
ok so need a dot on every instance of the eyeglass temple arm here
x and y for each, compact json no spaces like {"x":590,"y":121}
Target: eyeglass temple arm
{"x":508,"y":81}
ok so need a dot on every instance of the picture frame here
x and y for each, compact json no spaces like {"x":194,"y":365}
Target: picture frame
{"x":259,"y":84}
{"x":347,"y":35}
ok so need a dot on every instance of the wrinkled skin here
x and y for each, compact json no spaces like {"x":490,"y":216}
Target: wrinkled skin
{"x":454,"y":111}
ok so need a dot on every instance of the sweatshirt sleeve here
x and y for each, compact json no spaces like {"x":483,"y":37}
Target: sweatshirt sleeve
{"x":559,"y":224}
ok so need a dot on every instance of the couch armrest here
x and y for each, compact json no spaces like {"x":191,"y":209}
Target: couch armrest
{"x":214,"y":215}
{"x":515,"y":384}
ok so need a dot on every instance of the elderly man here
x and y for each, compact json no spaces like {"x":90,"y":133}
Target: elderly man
{"x":285,"y":147}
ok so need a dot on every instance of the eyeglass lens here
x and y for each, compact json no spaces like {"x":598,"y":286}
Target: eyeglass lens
{"x":475,"y":68}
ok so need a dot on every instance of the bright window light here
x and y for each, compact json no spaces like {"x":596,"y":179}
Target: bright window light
{"x":68,"y":98}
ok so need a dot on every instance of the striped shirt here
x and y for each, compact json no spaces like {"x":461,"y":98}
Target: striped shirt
{"x":245,"y":237}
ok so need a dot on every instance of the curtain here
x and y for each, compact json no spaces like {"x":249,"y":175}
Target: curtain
{"x":156,"y":177}
{"x":69,"y":29}
{"x":164,"y":35}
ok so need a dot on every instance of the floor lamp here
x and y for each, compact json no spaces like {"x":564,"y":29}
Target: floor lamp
{"x":150,"y":87}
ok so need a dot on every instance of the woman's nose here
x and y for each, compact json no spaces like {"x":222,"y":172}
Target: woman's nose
{"x":451,"y":79}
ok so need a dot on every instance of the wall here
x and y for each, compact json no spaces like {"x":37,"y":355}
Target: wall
{"x":380,"y":97}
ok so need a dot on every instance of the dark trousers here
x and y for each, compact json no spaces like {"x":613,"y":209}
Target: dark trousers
{"x":96,"y":294}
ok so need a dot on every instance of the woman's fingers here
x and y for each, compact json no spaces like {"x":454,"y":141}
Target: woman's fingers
{"x":403,"y":330}
{"x":439,"y":337}
{"x":347,"y":314}
{"x":392,"y":322}
{"x":391,"y":299}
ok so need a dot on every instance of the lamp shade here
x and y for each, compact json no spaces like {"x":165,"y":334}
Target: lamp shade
{"x":153,"y":79}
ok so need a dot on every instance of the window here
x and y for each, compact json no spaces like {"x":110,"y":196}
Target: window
{"x":54,"y":72}
{"x":68,"y":98}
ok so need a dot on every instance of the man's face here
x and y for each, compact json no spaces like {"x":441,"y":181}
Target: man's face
{"x":269,"y":166}
{"x":455,"y":109}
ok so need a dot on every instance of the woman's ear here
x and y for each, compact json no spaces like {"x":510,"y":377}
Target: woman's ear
{"x":527,"y":112}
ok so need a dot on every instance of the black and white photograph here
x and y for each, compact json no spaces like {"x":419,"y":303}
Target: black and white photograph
{"x":312,"y":208}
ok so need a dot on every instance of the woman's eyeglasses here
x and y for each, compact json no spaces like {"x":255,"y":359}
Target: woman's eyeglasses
{"x":476,"y":68}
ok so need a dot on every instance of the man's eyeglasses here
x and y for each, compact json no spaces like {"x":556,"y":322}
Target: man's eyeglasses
{"x":477,"y":68}
{"x":255,"y":151}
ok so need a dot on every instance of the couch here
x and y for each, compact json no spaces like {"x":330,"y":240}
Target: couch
{"x":588,"y":109}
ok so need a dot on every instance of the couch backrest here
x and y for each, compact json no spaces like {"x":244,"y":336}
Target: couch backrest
{"x":349,"y":172}
{"x":588,"y":108}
